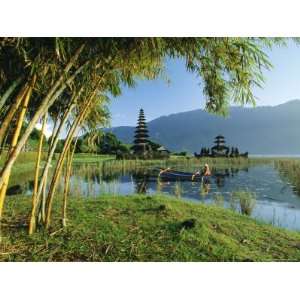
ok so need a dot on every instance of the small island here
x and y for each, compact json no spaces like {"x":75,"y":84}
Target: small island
{"x":220,"y":150}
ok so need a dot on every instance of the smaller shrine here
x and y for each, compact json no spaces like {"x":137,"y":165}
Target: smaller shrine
{"x":220,"y":150}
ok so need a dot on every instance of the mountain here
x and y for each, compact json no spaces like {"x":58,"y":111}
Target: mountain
{"x":259,"y":130}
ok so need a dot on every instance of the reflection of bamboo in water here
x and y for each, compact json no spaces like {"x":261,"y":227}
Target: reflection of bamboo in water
{"x":204,"y":189}
{"x":102,"y":188}
{"x":77,"y":188}
{"x":88,"y":187}
{"x":95,"y":189}
{"x":177,"y":189}
{"x":159,"y":185}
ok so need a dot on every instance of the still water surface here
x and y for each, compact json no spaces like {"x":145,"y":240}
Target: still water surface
{"x":277,"y":201}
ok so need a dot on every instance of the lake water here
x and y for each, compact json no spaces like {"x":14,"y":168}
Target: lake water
{"x":277,"y":200}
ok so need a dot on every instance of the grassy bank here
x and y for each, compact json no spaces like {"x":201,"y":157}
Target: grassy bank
{"x":145,"y":228}
{"x":91,"y":158}
{"x":24,"y":162}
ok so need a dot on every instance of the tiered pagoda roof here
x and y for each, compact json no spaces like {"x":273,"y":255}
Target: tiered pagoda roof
{"x":141,"y":133}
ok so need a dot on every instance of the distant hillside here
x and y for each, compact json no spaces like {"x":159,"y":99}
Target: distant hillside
{"x":260,"y":130}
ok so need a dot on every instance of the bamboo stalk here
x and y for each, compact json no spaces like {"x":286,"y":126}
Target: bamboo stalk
{"x":52,"y":147}
{"x":57,"y":172}
{"x":60,"y":162}
{"x":2,"y":145}
{"x":46,"y":103}
{"x":12,"y":111}
{"x":55,"y":128}
{"x":14,"y":142}
{"x":42,"y":211}
{"x":32,"y":223}
{"x":9,"y":91}
{"x":41,"y":194}
{"x":66,"y":189}
{"x":67,"y":183}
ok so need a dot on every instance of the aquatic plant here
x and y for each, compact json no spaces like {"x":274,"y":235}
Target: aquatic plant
{"x":233,"y":203}
{"x":246,"y":201}
{"x":289,"y":171}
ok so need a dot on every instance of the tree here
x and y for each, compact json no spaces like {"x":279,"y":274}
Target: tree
{"x":154,"y":146}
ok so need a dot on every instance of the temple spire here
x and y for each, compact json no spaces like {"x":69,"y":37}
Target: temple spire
{"x":141,"y":143}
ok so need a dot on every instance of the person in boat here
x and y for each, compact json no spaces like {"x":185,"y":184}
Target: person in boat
{"x":197,"y":173}
{"x":164,"y":170}
{"x":206,"y":173}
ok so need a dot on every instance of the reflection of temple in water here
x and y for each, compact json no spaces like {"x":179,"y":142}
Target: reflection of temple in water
{"x":140,"y":181}
{"x":220,"y":176}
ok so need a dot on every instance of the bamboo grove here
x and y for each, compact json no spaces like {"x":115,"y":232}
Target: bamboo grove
{"x":67,"y":82}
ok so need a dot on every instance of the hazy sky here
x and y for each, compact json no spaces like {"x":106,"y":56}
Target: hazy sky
{"x":158,"y":98}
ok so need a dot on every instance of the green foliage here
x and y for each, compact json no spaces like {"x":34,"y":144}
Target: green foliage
{"x":154,"y":146}
{"x":228,"y":68}
{"x":35,"y":134}
{"x":101,"y":143}
{"x":33,"y":140}
{"x":59,"y":146}
{"x":182,"y":153}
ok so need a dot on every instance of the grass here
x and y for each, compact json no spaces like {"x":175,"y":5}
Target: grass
{"x":145,"y":228}
{"x":24,"y":162}
{"x":289,"y":169}
{"x":91,"y":158}
{"x":22,"y":170}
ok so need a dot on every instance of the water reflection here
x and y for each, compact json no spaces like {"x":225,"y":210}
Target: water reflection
{"x":142,"y":179}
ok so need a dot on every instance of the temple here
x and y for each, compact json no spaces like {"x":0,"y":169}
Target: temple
{"x":220,"y":150}
{"x":141,"y":144}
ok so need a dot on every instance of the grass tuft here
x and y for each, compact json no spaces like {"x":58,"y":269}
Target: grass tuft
{"x":246,"y":201}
